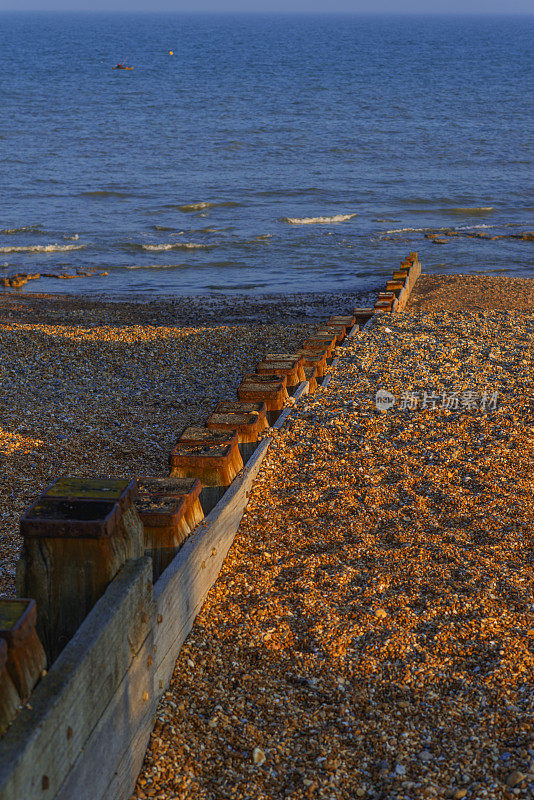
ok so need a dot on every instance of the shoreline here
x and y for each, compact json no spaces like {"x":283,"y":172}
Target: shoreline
{"x":228,"y":309}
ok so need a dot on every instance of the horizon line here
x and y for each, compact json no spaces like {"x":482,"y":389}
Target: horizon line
{"x":236,"y":12}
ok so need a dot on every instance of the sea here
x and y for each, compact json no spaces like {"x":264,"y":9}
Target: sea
{"x":258,"y":154}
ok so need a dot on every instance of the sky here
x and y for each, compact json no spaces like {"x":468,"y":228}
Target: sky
{"x":278,"y":6}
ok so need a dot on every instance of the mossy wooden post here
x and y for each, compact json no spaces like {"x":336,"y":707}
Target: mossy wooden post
{"x":248,"y":419}
{"x":9,"y":697}
{"x":169,"y":509}
{"x":211,"y":456}
{"x":271,"y":389}
{"x":77,"y":536}
{"x":26,"y":657}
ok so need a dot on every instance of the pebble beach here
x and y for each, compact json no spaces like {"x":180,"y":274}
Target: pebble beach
{"x":370,"y":633}
{"x":93,"y":387}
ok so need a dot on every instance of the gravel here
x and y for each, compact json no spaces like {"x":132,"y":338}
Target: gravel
{"x":370,"y":634}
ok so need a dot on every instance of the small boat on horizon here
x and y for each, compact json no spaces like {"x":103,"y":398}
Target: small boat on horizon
{"x":121,"y":65}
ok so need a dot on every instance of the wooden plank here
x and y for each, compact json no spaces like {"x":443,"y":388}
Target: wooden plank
{"x":49,"y":735}
{"x":109,"y":764}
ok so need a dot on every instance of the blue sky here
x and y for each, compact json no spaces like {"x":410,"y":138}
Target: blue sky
{"x":278,"y":6}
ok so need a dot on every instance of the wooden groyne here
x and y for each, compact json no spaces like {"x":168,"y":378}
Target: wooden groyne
{"x":111,"y":618}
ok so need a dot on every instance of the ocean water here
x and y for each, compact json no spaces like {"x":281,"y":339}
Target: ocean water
{"x":267,"y":154}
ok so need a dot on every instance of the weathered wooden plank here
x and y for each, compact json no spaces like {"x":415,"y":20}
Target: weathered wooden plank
{"x":50,"y":734}
{"x":109,"y":764}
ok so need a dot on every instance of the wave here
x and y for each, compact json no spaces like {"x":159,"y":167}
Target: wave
{"x":409,"y":230}
{"x":23,"y":229}
{"x":469,"y":211}
{"x":176,"y":246}
{"x":317,"y":220}
{"x":474,"y":210}
{"x":153,"y":266}
{"x":444,"y":228}
{"x":457,"y":210}
{"x":202,"y":206}
{"x":42,"y":248}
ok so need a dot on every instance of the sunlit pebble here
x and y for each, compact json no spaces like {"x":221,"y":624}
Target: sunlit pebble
{"x":304,"y":650}
{"x":259,"y":756}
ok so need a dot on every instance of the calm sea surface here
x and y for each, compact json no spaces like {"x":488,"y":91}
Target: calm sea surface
{"x":268,"y":154}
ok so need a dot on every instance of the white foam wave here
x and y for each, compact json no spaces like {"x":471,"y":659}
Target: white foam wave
{"x":407,"y":230}
{"x":156,"y":248}
{"x":473,"y":227}
{"x":42,"y":248}
{"x":448,"y":228}
{"x":318,"y":220}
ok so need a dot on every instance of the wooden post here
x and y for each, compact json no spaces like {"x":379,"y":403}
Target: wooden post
{"x":394,"y":286}
{"x":26,"y":658}
{"x":339,"y":330}
{"x":248,"y":419}
{"x":315,"y":358}
{"x":75,"y":542}
{"x":9,"y":698}
{"x":292,"y":368}
{"x":363,"y":315}
{"x":386,"y":305}
{"x":211,"y":456}
{"x":271,"y":389}
{"x":347,"y":321}
{"x":321,"y":341}
{"x":311,"y":376}
{"x":169,"y":509}
{"x":387,"y":301}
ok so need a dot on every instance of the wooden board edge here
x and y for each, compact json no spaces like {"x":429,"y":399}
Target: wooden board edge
{"x":45,"y":739}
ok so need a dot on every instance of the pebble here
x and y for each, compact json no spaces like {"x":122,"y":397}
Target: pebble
{"x":515,"y":778}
